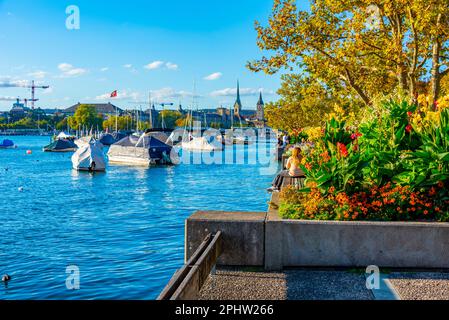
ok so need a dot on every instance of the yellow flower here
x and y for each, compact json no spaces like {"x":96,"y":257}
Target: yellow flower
{"x":314,"y":133}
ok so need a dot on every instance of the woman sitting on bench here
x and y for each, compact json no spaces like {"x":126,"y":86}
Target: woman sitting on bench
{"x":293,"y":175}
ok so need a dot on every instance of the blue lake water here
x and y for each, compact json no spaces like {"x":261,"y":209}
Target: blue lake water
{"x":123,"y":229}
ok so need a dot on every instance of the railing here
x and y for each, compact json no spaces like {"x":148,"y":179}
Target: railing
{"x":187,"y":282}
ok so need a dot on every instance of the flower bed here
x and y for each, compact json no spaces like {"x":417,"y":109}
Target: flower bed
{"x":390,"y":165}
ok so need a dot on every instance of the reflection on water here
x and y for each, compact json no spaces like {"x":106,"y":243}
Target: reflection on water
{"x":124,"y":228}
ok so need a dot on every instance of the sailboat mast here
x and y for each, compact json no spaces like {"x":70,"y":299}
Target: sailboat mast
{"x":151,"y":112}
{"x":116,"y":119}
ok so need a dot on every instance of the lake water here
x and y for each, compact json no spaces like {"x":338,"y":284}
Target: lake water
{"x":123,"y":229}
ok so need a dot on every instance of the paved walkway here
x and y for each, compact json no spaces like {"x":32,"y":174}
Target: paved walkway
{"x":235,"y":284}
{"x":420,"y":285}
{"x":255,"y":284}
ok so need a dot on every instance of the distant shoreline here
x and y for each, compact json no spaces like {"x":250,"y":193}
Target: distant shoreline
{"x":27,"y":133}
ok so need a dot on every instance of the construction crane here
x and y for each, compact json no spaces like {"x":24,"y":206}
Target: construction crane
{"x":33,"y":88}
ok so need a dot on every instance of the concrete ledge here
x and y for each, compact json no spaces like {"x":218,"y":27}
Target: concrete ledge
{"x":273,"y":237}
{"x":264,"y":239}
{"x":360,"y":244}
{"x":303,"y":243}
{"x":243,"y":235}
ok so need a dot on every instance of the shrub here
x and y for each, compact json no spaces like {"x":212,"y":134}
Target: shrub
{"x":388,"y":167}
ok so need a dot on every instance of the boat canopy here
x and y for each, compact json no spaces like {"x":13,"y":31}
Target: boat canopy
{"x":203,"y":144}
{"x":6,"y":144}
{"x":61,"y":145}
{"x":156,"y":147}
{"x":64,"y":135}
{"x":90,"y":158}
{"x":107,"y":139}
{"x":83,"y":141}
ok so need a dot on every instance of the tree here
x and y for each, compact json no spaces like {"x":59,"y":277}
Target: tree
{"x":86,"y":117}
{"x":363,"y":48}
{"x":61,"y":125}
{"x":122,"y":122}
{"x":169,"y":118}
{"x":304,"y":102}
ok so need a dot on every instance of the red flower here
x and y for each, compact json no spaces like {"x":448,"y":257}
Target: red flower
{"x":342,"y":149}
{"x":408,"y":128}
{"x":409,"y":113}
{"x":436,"y":104}
{"x":356,"y":135}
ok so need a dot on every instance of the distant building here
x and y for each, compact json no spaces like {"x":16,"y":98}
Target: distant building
{"x":18,"y":111}
{"x":53,"y":112}
{"x":106,"y":109}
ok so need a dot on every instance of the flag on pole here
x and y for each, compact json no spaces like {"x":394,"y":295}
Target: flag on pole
{"x":114,"y":94}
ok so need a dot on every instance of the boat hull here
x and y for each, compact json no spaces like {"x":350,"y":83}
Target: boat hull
{"x":62,"y":150}
{"x":141,"y":162}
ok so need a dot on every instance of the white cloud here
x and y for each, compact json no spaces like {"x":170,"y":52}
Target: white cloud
{"x":170,"y":93}
{"x":3,"y":98}
{"x":154,"y":65}
{"x":171,"y":66}
{"x":104,"y":69}
{"x":69,"y":71}
{"x":121,"y":95}
{"x":232,"y":92}
{"x":37,"y":74}
{"x":8,"y":82}
{"x":127,"y":66}
{"x":213,"y":76}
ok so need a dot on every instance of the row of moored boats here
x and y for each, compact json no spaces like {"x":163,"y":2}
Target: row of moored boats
{"x":154,"y":147}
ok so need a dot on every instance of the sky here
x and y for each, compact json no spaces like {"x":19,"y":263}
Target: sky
{"x":174,"y":49}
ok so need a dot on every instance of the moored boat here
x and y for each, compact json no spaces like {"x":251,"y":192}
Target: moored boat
{"x":89,"y":157}
{"x":146,"y":151}
{"x":7,"y":144}
{"x":202,"y":144}
{"x":85,"y":141}
{"x":61,"y":145}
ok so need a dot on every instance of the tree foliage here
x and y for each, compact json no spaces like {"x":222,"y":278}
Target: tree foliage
{"x":122,"y":123}
{"x":359,"y":49}
{"x":169,"y":118}
{"x":85,"y":117}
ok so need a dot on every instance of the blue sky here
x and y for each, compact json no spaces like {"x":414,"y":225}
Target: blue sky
{"x":134,"y":47}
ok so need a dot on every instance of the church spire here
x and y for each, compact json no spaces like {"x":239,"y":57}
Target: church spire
{"x":238,"y":102}
{"x":238,"y":91}
{"x":260,"y":99}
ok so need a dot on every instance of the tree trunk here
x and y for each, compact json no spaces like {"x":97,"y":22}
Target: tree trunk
{"x":436,"y":77}
{"x":348,"y":78}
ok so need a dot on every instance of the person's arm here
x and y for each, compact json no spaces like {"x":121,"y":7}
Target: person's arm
{"x":289,"y":163}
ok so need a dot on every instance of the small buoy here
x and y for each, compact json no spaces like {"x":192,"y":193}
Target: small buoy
{"x":20,"y":189}
{"x":29,"y":152}
{"x":6,"y":278}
